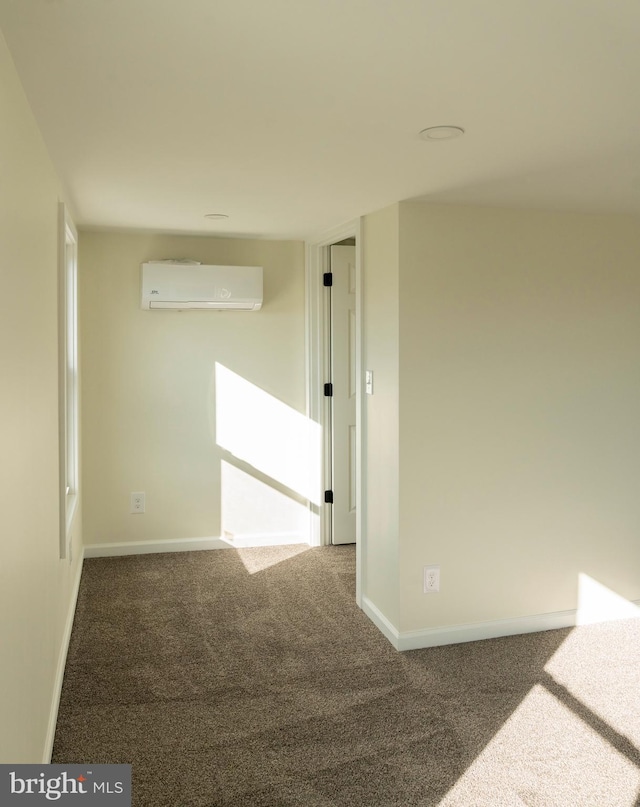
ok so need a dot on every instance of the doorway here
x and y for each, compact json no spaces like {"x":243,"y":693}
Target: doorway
{"x":347,"y":481}
{"x":340,"y":391}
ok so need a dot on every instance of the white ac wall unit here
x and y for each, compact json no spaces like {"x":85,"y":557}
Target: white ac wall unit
{"x":196,"y":286}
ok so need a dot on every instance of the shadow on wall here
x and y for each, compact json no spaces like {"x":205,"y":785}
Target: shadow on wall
{"x":272,"y":472}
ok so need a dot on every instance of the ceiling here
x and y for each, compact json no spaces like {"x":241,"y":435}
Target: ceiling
{"x":293,"y":116}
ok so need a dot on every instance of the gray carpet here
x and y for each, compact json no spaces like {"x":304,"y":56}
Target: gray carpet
{"x":250,"y":678}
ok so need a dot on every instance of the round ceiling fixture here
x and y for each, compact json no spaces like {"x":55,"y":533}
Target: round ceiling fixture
{"x":216,"y":216}
{"x":441,"y":132}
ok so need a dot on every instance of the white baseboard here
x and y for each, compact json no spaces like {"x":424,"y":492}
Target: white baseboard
{"x":473,"y":632}
{"x":476,"y":631}
{"x":188,"y":545}
{"x":381,"y":622}
{"x":62,"y":661}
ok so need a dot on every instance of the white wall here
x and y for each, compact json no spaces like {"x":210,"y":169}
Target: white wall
{"x":151,"y":391}
{"x":381,"y":349}
{"x":519,"y":410}
{"x":35,"y":586}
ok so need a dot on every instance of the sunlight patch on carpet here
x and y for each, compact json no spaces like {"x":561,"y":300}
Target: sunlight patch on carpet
{"x":599,"y":666}
{"x":255,"y":561}
{"x":546,"y":754}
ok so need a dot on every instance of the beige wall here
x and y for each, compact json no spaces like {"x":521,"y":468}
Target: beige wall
{"x":381,"y":349}
{"x":149,"y":393}
{"x":519,"y":410}
{"x":35,"y":586}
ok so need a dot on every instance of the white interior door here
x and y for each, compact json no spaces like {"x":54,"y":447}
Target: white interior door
{"x":343,"y":378}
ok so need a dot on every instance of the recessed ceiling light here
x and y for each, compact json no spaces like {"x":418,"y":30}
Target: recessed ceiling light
{"x":441,"y":132}
{"x":216,"y":216}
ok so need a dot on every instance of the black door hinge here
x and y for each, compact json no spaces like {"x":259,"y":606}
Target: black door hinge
{"x":327,"y":279}
{"x":328,"y":390}
{"x":328,"y":497}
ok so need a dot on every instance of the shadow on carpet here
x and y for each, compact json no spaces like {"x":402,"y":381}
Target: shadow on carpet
{"x":250,"y":677}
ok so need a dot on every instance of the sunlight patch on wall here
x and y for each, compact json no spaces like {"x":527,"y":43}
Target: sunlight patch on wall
{"x":268,"y":434}
{"x":597,"y":603}
{"x":255,"y":514}
{"x":545,"y":754}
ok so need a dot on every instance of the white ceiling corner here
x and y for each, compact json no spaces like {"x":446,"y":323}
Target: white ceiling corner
{"x":294,"y":116}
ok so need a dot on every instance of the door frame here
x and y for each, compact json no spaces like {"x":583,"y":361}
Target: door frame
{"x":316,"y":332}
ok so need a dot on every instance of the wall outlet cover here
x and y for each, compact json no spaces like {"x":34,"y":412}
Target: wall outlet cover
{"x":137,"y":503}
{"x":431,"y":579}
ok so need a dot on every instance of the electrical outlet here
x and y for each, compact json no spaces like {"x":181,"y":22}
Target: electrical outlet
{"x":431,"y":579}
{"x":137,"y":503}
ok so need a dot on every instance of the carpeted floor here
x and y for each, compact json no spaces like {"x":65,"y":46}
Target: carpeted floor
{"x":250,"y":678}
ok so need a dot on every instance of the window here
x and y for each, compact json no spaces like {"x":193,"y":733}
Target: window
{"x":68,"y":376}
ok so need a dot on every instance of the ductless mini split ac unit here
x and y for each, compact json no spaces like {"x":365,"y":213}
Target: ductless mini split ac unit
{"x":183,"y":286}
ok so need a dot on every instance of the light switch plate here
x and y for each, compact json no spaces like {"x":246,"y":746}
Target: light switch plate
{"x":368,"y":382}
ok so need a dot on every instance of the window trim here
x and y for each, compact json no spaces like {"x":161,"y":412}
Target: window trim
{"x":68,"y":392}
